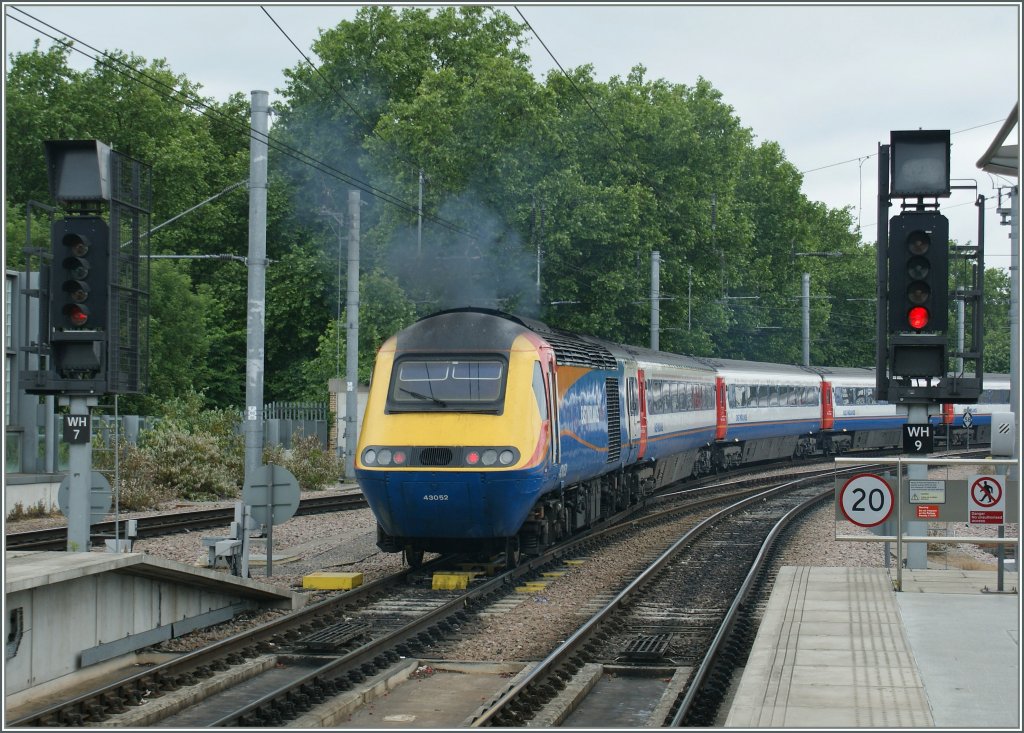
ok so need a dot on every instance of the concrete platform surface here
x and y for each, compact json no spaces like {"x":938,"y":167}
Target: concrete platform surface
{"x":840,"y":648}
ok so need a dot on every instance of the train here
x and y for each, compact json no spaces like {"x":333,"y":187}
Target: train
{"x":487,"y":433}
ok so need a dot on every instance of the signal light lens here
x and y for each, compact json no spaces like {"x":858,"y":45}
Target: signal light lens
{"x":506,"y":457}
{"x":918,"y":268}
{"x":472,"y":458}
{"x":78,"y":315}
{"x":918,"y":243}
{"x":399,"y":457}
{"x":917,"y":317}
{"x":918,"y":292}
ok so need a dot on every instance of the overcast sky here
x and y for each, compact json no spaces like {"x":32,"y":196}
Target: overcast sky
{"x":828,"y":82}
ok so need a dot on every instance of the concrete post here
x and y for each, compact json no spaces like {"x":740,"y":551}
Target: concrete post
{"x":256,"y":312}
{"x":352,"y":339}
{"x":79,"y":485}
{"x":806,"y":308}
{"x":655,"y":302}
{"x":917,"y":552}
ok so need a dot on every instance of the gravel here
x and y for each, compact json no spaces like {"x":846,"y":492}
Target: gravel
{"x":345,"y":541}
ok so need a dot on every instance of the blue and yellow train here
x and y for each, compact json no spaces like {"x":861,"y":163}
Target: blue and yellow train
{"x":489,"y":433}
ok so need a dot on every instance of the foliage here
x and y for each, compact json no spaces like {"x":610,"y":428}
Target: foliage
{"x":191,"y":453}
{"x":189,"y":465}
{"x":569,"y":180}
{"x":34,"y":511}
{"x":138,"y":488}
{"x":314,"y":467}
{"x":997,"y":321}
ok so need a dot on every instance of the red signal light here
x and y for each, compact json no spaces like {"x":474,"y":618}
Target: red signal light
{"x":917,"y":317}
{"x":472,"y":458}
{"x":78,"y":315}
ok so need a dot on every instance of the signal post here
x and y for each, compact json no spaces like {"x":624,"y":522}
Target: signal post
{"x":93,"y":303}
{"x":914,"y":356}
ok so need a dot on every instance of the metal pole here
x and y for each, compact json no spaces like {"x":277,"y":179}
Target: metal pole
{"x":256,"y":313}
{"x":899,"y":524}
{"x":352,"y":338}
{"x":960,"y":331}
{"x":419,"y":220}
{"x":882,"y":280}
{"x":79,"y":484}
{"x":270,"y":523}
{"x":536,"y":232}
{"x":1015,"y":306}
{"x":689,"y":299}
{"x":806,"y":287}
{"x":655,"y":288}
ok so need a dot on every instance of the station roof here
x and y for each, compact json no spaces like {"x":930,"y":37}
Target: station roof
{"x":1001,"y":158}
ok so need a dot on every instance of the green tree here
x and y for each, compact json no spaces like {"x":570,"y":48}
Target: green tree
{"x":997,"y":321}
{"x":384,"y":310}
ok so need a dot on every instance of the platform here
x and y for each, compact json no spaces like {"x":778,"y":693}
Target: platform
{"x":840,"y":648}
{"x":68,"y":611}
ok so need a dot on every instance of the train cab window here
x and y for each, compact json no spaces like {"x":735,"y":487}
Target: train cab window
{"x":435,"y":385}
{"x":538,"y":390}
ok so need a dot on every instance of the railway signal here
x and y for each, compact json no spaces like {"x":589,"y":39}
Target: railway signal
{"x":78,"y":296}
{"x":918,"y":273}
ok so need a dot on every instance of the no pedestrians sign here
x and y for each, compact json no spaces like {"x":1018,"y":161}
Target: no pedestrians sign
{"x":986,"y":500}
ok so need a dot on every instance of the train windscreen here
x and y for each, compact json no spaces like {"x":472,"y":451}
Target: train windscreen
{"x":447,"y":384}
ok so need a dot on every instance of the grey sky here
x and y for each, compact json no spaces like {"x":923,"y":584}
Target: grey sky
{"x":827,"y":82}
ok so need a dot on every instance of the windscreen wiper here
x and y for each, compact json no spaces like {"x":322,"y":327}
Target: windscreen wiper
{"x":419,"y":396}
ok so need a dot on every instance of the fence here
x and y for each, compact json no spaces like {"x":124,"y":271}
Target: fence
{"x":283,"y":423}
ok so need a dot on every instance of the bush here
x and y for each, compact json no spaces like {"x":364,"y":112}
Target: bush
{"x":314,"y":467}
{"x":192,"y":466}
{"x":36,"y":511}
{"x":139,"y":490}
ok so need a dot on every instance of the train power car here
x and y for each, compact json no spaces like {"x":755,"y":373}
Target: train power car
{"x":486,"y":432}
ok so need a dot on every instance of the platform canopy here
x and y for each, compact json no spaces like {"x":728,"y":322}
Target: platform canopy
{"x":1001,"y":158}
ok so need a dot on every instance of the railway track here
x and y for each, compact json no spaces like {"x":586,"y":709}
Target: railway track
{"x":55,"y":538}
{"x":338,"y":643}
{"x":335,"y":644}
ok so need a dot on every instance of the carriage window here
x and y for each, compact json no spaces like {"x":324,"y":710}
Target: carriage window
{"x":440,"y":384}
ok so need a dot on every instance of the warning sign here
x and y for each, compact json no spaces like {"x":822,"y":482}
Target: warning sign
{"x":927,"y":511}
{"x":986,"y":500}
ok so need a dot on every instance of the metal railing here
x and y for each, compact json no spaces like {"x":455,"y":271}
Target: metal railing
{"x":900,"y":536}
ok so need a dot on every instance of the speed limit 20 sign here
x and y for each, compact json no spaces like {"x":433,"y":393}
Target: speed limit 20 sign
{"x":866,"y":500}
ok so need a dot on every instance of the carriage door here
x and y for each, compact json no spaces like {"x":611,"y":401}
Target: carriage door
{"x":556,"y":432}
{"x":632,"y":417}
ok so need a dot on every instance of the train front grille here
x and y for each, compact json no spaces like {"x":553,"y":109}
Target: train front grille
{"x":436,"y":457}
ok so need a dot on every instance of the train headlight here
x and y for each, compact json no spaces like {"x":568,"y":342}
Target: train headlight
{"x":369,"y":457}
{"x":384,"y":457}
{"x":506,"y":457}
{"x":490,"y":457}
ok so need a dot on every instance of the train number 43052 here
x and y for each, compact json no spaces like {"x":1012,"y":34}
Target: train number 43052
{"x":435,"y":497}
